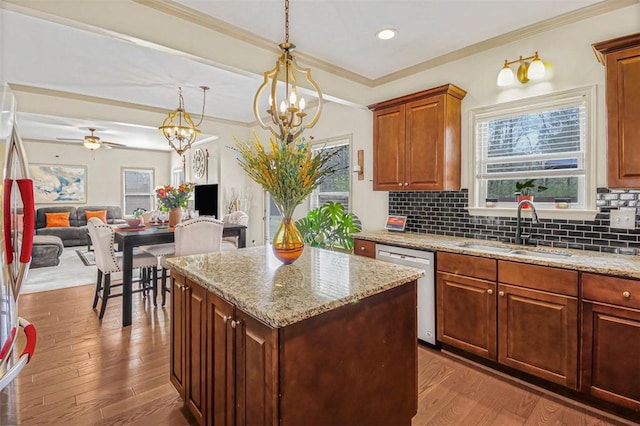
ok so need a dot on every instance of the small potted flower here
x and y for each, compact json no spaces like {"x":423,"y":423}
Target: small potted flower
{"x":525,"y":190}
{"x":174,"y":200}
{"x":136,"y":222}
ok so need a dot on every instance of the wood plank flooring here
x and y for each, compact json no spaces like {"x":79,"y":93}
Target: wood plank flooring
{"x":88,"y":372}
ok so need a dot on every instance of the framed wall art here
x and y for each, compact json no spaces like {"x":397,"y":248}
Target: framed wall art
{"x":58,"y":183}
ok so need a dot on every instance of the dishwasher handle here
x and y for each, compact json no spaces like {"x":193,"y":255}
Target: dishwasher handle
{"x":408,"y":258}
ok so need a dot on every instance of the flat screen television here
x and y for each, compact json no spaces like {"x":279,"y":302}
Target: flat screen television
{"x":206,"y":199}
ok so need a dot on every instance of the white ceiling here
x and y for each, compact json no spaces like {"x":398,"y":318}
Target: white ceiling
{"x":70,"y":58}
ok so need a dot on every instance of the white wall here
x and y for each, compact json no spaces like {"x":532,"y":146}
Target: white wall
{"x":104,"y":167}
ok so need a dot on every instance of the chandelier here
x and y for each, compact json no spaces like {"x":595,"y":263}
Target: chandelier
{"x":178,"y":128}
{"x":286,"y":111}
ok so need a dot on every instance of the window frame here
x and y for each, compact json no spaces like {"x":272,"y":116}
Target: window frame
{"x":151,"y":194}
{"x":329,"y":143}
{"x":477,"y":189}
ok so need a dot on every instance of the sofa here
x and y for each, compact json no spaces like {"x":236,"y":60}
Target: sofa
{"x":76,"y":233}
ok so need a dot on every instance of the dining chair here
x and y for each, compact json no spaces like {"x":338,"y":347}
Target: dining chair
{"x":237,"y":218}
{"x":102,"y":238}
{"x":193,"y":236}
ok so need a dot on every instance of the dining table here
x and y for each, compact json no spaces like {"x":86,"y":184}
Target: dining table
{"x":128,"y":239}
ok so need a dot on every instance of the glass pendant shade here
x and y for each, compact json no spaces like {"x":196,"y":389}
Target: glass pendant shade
{"x":536,"y":69}
{"x":505,"y":77}
{"x":92,"y":142}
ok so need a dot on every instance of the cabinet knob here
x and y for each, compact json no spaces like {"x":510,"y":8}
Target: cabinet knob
{"x":235,"y":323}
{"x":406,"y":184}
{"x":501,"y":293}
{"x":490,"y":291}
{"x":399,"y":183}
{"x":626,"y":294}
{"x":362,"y":248}
{"x":225,"y":319}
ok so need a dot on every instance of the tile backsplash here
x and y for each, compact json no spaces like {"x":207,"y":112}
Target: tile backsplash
{"x":444,"y":213}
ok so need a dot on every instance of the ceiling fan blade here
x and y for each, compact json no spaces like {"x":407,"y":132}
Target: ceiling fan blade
{"x":70,"y":139}
{"x":113,"y":144}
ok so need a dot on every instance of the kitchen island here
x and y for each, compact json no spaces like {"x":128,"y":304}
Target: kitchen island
{"x":330,"y":339}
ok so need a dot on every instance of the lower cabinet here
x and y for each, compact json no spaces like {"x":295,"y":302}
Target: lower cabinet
{"x":523,"y":316}
{"x":240,"y":367}
{"x":538,"y":321}
{"x":334,"y":368}
{"x":611,"y":339}
{"x":466,"y":303}
{"x":188,"y":337}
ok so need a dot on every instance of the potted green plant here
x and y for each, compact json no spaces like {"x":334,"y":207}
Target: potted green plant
{"x":526,"y":189}
{"x":329,"y":226}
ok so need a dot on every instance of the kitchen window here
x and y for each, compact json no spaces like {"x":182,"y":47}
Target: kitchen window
{"x":138,"y":189}
{"x":548,"y":138}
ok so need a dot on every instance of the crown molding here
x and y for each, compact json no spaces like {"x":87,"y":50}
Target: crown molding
{"x":182,"y":12}
{"x":110,"y":102}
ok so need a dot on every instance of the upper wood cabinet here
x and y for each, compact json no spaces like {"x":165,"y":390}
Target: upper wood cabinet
{"x":621,"y":58}
{"x":416,"y":141}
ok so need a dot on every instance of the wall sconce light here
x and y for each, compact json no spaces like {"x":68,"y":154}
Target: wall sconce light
{"x":526,"y":71}
{"x":359,"y":166}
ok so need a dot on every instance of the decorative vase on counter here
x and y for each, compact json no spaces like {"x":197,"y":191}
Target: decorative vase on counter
{"x":175,"y":216}
{"x":288,"y":243}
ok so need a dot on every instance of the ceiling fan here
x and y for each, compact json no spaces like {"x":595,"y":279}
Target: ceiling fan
{"x":92,"y":142}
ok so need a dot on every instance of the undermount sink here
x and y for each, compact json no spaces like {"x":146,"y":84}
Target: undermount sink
{"x":509,"y":250}
{"x":486,"y":247}
{"x":541,"y":254}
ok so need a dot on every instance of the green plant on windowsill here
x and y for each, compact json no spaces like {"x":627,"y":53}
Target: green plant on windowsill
{"x":528,"y":187}
{"x":329,"y":226}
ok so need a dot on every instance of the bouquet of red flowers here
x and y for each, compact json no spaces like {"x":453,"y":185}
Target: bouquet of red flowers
{"x":171,"y":197}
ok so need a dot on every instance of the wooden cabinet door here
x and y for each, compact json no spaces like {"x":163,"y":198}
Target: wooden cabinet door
{"x":220,"y":362}
{"x":623,"y":110}
{"x":256,"y":389}
{"x":424,"y":156}
{"x":195,"y":338}
{"x":389,"y":148}
{"x":177,"y":362}
{"x":466,"y":312}
{"x":610,"y":348}
{"x":538,"y":333}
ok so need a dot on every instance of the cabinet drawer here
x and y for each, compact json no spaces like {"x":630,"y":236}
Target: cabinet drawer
{"x":536,"y":277}
{"x":471,"y":266}
{"x":613,"y":290}
{"x":364,"y":248}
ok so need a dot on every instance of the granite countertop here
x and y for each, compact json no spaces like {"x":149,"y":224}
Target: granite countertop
{"x":622,"y":265}
{"x":279,"y":295}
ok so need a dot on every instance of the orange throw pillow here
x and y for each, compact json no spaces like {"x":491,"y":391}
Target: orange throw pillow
{"x":100,"y":214}
{"x":57,"y":220}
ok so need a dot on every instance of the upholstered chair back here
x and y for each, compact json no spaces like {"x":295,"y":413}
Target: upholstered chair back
{"x":102,"y":238}
{"x":198,"y":236}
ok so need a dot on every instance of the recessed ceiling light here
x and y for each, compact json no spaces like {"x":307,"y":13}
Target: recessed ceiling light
{"x":386,"y":34}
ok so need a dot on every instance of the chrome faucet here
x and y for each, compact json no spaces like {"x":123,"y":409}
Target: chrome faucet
{"x":534,"y":219}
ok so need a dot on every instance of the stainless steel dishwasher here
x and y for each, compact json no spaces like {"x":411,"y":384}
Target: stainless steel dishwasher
{"x":426,"y":285}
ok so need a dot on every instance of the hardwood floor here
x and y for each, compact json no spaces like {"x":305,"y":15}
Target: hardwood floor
{"x":89,"y":372}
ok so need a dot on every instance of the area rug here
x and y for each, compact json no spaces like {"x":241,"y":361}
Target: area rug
{"x":71,"y":272}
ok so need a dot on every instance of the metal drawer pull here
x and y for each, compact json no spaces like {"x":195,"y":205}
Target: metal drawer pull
{"x":235,"y":323}
{"x":501,"y":293}
{"x":225,"y":319}
{"x":626,"y":294}
{"x":490,"y":291}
